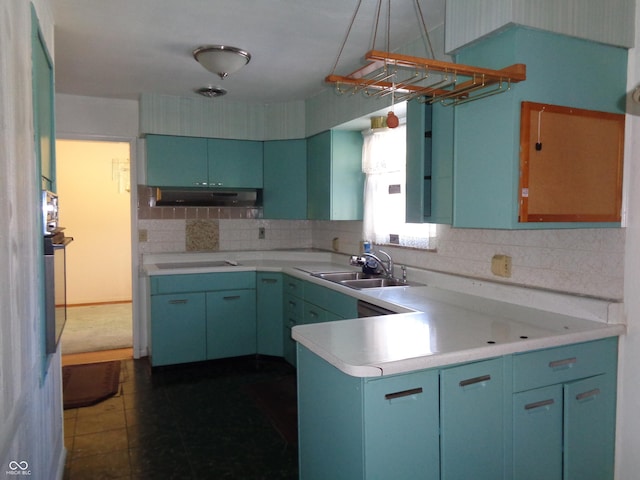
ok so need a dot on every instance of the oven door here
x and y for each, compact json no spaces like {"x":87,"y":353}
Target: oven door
{"x":55,"y":291}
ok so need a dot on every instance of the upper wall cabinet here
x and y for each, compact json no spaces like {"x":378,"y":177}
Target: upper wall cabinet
{"x":335,"y":181}
{"x":429,"y":177}
{"x":285,"y":186}
{"x":561,"y":71}
{"x":174,"y":161}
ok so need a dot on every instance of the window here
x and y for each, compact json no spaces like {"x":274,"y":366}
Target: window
{"x":383,"y":162}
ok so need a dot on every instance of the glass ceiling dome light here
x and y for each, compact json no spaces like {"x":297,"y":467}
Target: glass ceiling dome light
{"x":221,"y":59}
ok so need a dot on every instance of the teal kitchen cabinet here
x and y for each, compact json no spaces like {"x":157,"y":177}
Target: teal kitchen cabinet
{"x":174,"y":161}
{"x":235,"y":163}
{"x":284,"y":194}
{"x":335,"y":181}
{"x":293,"y":311}
{"x":269,"y":313}
{"x":192,"y":313}
{"x":366,"y":428}
{"x":429,"y":169}
{"x":231,"y":323}
{"x":472,"y":411}
{"x":564,"y":412}
{"x":178,"y":328}
{"x":322,"y":304}
{"x":487,"y":132}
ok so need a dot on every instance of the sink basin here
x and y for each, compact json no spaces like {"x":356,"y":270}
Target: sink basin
{"x":376,"y":283}
{"x":341,"y":276}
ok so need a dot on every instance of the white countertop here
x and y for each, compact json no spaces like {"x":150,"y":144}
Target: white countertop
{"x":438,"y":327}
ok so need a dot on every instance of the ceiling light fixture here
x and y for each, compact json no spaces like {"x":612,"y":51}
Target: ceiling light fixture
{"x":405,"y":77}
{"x":221,"y":59}
{"x":211,"y":91}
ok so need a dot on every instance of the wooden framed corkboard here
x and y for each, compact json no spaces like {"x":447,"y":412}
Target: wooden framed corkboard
{"x":570,"y":164}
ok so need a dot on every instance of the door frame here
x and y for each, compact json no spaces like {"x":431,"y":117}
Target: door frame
{"x":139,"y":336}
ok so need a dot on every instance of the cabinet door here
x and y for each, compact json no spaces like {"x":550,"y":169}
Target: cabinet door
{"x":269,"y":313}
{"x":589,"y":424}
{"x":178,"y":328}
{"x":285,"y":179}
{"x":235,"y":163}
{"x":335,"y":180}
{"x":429,"y":187}
{"x":231,"y":323}
{"x":472,"y":421}
{"x":174,"y":161}
{"x":401,"y":422}
{"x":537,"y":434}
{"x":319,"y":176}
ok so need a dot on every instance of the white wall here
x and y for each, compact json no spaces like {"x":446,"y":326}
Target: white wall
{"x":30,"y":386}
{"x":628,"y":444}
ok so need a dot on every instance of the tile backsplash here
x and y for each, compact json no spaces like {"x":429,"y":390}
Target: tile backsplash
{"x":581,"y":261}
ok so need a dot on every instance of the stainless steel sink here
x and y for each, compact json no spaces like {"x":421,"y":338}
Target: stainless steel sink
{"x":376,"y":283}
{"x":341,"y":276}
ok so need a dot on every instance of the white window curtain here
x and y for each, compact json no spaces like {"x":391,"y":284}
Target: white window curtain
{"x":383,"y":162}
{"x":384,"y":165}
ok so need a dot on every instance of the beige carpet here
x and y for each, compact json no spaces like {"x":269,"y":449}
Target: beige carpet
{"x":97,"y":327}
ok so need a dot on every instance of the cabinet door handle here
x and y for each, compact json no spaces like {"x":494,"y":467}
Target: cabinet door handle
{"x":403,"y":393}
{"x":313,"y":314}
{"x":269,"y":280}
{"x":292,"y":304}
{"x":589,"y":394}
{"x":474,"y":380}
{"x":566,"y":362}
{"x":231,"y":297}
{"x":541,"y":403}
{"x":177,"y":302}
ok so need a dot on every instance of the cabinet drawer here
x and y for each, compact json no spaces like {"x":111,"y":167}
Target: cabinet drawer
{"x":201,"y":282}
{"x":293,"y":286}
{"x":294,"y":306}
{"x":563,"y":364}
{"x":343,"y":306}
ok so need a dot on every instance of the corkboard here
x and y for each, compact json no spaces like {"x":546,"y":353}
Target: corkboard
{"x":576,"y":173}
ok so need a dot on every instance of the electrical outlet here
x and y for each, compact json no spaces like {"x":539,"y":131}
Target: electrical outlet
{"x":335,"y":244}
{"x":261,"y":233}
{"x":501,"y":265}
{"x":142,"y":235}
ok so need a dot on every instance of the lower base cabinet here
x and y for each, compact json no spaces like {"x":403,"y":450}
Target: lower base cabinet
{"x":196,"y":317}
{"x":231,"y":323}
{"x":472,"y":410}
{"x":547,"y":414}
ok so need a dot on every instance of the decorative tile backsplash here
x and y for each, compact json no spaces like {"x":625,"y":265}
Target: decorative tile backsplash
{"x":581,"y":261}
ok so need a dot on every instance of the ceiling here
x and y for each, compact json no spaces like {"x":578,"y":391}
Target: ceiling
{"x":122,"y":48}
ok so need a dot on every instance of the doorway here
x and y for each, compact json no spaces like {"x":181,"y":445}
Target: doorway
{"x":93,"y":186}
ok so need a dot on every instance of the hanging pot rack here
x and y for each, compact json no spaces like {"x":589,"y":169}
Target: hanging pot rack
{"x":405,"y":77}
{"x":429,"y":80}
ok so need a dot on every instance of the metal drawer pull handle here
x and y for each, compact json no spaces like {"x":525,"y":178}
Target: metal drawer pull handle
{"x":231,"y":297}
{"x":472,"y":381}
{"x":563,"y":363}
{"x":176,"y":302}
{"x":269,"y":280}
{"x":312,"y":313}
{"x":404,"y":393}
{"x":590,"y":393}
{"x":293,"y":304}
{"x":541,"y":403}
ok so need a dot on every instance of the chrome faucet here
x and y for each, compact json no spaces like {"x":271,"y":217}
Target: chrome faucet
{"x":385,"y":265}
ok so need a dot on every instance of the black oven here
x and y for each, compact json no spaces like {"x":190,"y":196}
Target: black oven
{"x":55,"y":251}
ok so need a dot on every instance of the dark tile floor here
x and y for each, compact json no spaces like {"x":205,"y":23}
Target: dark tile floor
{"x":185,"y":422}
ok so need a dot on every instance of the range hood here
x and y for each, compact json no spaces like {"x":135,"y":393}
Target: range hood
{"x":200,"y":197}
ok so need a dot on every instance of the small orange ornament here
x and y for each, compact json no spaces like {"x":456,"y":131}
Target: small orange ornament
{"x":392,"y":120}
